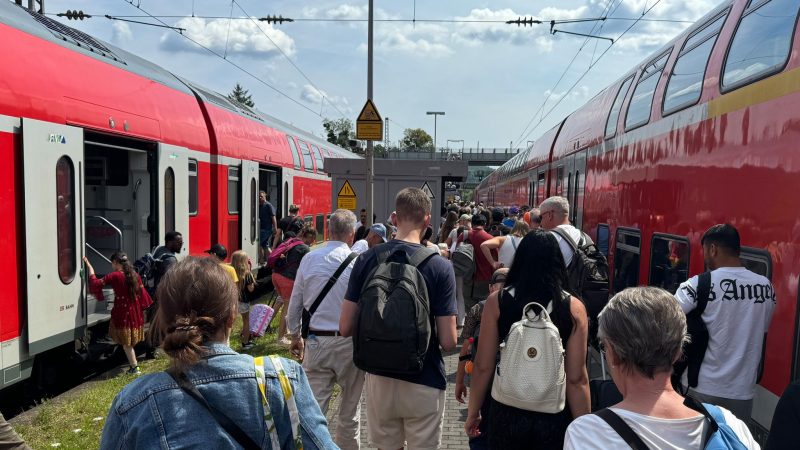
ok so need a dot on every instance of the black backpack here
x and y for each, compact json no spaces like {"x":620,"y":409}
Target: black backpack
{"x":588,"y":276}
{"x":394,"y":327}
{"x":695,"y":351}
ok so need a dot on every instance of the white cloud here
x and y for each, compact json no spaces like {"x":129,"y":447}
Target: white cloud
{"x":310,"y":12}
{"x":120,"y":32}
{"x":315,"y":96}
{"x":242,"y":36}
{"x":578,"y":93}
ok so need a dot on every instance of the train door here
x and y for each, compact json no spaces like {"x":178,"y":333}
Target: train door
{"x":248,"y":225}
{"x":579,"y":182}
{"x":173,"y":192}
{"x":541,"y":185}
{"x":53,"y":167}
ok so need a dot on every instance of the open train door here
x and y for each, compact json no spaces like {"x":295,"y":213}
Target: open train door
{"x":53,"y":184}
{"x":248,"y":224}
{"x":173,"y":192}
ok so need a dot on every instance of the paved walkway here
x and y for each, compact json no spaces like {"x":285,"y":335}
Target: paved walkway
{"x":453,"y":436}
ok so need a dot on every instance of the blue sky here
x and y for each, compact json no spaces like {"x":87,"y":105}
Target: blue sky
{"x":490,"y":79}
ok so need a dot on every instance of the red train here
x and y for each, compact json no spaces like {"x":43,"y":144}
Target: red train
{"x":704,"y":131}
{"x":102,"y":150}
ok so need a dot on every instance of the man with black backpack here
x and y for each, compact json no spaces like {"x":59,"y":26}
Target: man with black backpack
{"x":288,"y":226}
{"x":391,"y":283}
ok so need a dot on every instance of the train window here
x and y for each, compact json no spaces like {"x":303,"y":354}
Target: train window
{"x":757,"y":260}
{"x":613,"y":115}
{"x":253,"y":209}
{"x":320,"y":225}
{"x":762,"y":42}
{"x":169,"y":199}
{"x":308,"y":162}
{"x":626,"y":259}
{"x":193,"y":187}
{"x":602,"y":238}
{"x":669,"y":261}
{"x":686,"y":80}
{"x":295,"y":152}
{"x":559,"y":180}
{"x":540,"y":188}
{"x":318,"y":158}
{"x":642,"y":101}
{"x":65,"y":219}
{"x":233,"y":190}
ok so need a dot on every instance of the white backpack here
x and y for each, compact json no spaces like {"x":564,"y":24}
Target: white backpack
{"x":530,"y":374}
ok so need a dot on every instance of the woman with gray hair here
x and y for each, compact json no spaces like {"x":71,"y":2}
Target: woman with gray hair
{"x":642,"y":331}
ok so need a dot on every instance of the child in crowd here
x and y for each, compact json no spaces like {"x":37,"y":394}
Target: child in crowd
{"x":246,"y":285}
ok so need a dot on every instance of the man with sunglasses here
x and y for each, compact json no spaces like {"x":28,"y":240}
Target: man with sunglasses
{"x":555,"y":215}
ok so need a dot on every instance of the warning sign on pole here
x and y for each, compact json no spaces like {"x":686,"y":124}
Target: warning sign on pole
{"x":369,"y":125}
{"x":427,"y":190}
{"x":346,"y":198}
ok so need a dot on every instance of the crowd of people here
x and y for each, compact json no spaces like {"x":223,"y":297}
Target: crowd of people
{"x":374,"y":308}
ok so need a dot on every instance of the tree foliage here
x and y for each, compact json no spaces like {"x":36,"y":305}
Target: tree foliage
{"x":242,"y":96}
{"x":339,"y":131}
{"x":416,"y":139}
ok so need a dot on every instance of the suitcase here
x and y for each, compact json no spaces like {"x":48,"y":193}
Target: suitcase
{"x":260,"y":317}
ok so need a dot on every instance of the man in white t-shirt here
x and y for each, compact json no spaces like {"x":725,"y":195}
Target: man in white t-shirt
{"x":555,"y":213}
{"x":737,"y":316}
{"x":375,"y":236}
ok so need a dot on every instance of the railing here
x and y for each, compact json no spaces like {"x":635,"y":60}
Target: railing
{"x":468,"y":154}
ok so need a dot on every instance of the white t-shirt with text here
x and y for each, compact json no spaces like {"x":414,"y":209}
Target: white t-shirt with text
{"x":737,"y":315}
{"x":590,"y":432}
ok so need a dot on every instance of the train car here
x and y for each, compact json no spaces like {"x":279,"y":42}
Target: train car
{"x":101,"y":150}
{"x":702,"y":132}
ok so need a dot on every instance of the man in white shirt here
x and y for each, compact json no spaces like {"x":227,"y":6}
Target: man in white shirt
{"x":375,"y":236}
{"x":555,"y":214}
{"x":738,"y":313}
{"x":327,"y":356}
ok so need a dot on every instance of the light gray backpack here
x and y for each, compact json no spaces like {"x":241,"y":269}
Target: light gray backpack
{"x":464,"y":258}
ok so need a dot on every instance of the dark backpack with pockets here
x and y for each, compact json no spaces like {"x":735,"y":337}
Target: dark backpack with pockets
{"x":464,"y":258}
{"x":394,"y":327}
{"x":588,"y":276}
{"x":695,"y":351}
{"x":148,"y":267}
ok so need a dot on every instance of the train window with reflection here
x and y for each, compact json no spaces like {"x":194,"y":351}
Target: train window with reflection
{"x":613,"y":116}
{"x":233,"y":190}
{"x":193,"y":187}
{"x":295,"y":153}
{"x":762,"y":42}
{"x":757,"y":260}
{"x":65,"y":219}
{"x":169,"y":199}
{"x":320,"y":225}
{"x":686,"y":80}
{"x":308,"y":163}
{"x":602,"y":238}
{"x":642,"y":101}
{"x":318,"y":158}
{"x":253,"y":210}
{"x":669,"y":261}
{"x":328,"y":222}
{"x":560,"y":180}
{"x":626,"y":259}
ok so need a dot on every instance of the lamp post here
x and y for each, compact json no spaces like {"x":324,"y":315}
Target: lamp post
{"x":434,"y":114}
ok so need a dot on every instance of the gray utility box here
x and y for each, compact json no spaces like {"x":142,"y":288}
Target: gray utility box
{"x":390,"y":177}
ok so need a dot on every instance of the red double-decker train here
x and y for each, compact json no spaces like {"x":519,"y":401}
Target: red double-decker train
{"x":102,"y":150}
{"x":705,"y":131}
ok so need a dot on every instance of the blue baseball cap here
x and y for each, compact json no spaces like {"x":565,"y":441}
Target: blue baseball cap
{"x":379,"y":229}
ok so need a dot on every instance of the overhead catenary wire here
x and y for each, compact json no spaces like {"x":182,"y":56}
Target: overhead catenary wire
{"x":588,"y":70}
{"x":240,"y":68}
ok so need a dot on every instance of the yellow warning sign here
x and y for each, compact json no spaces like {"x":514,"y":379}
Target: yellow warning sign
{"x":346,"y":190}
{"x":346,"y":198}
{"x":369,"y":125}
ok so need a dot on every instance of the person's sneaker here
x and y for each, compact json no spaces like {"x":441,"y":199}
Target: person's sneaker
{"x":248,"y":345}
{"x":134,"y":371}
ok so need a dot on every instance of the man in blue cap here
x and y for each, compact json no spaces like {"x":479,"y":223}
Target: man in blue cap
{"x":375,"y":236}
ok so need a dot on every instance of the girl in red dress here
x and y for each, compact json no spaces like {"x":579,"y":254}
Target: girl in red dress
{"x":130,"y":300}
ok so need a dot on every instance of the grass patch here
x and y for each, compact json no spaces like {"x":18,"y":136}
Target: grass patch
{"x":57,"y":420}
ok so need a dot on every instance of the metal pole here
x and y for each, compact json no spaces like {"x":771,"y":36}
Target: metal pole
{"x":435,"y":116}
{"x":370,"y":162}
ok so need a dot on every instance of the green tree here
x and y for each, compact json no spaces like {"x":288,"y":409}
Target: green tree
{"x":339,"y":131}
{"x":416,"y":140}
{"x":241,"y":95}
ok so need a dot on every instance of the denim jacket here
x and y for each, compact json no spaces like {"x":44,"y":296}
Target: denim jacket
{"x":153,"y":412}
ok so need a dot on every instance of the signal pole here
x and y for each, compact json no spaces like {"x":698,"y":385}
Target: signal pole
{"x":370,"y":156}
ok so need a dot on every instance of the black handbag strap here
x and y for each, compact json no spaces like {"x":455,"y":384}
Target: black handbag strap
{"x":225,"y":422}
{"x":331,"y":282}
{"x":703,"y":292}
{"x":623,"y":429}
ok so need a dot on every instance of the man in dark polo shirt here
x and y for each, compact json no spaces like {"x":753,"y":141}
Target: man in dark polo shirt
{"x":408,"y":408}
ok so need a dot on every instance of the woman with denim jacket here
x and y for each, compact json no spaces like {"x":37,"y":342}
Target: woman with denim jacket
{"x":268,"y":401}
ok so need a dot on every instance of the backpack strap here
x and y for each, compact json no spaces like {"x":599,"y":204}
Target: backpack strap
{"x":288,"y":396}
{"x":420,"y":256}
{"x":623,"y":429}
{"x":224,"y":421}
{"x":513,"y":241}
{"x":703,"y":292}
{"x":307,"y":314}
{"x":710,"y":412}
{"x":572,"y":244}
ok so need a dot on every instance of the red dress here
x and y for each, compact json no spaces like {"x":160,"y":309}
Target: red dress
{"x":127,"y":317}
